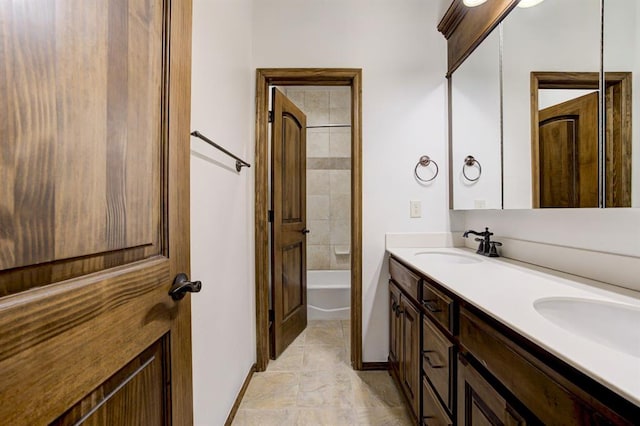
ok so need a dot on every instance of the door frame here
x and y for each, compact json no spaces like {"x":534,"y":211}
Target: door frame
{"x":265,"y":77}
{"x":617,"y":132}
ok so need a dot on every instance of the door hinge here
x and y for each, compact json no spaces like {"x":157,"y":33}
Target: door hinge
{"x":272,"y":315}
{"x":270,"y":215}
{"x":270,"y":116}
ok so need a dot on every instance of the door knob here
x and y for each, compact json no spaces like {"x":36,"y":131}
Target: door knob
{"x":182,"y":285}
{"x":305,"y":231}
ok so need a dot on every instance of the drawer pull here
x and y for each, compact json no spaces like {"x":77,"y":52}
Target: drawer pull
{"x":426,"y":356}
{"x":431,"y":305}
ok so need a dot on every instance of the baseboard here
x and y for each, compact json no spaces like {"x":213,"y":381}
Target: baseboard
{"x":243,"y":389}
{"x":367,"y":366}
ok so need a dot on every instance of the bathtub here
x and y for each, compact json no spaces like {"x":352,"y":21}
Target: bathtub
{"x":328,"y":295}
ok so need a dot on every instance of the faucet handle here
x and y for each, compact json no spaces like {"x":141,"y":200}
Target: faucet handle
{"x":493,"y":251}
{"x":481,"y":246}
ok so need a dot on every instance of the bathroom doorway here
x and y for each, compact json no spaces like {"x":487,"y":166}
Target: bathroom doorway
{"x":332,"y":252}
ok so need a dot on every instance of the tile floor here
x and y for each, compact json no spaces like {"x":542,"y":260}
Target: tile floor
{"x":312,"y":383}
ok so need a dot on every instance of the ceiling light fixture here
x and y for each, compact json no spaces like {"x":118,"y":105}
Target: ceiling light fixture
{"x":529,"y":3}
{"x":473,"y":3}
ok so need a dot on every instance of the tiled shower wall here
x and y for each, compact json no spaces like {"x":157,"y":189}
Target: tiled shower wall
{"x":328,"y":174}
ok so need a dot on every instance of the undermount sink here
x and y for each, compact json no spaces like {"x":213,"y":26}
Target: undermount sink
{"x":615,"y":325}
{"x":449,"y":257}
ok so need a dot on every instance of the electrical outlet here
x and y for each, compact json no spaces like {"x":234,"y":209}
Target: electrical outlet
{"x":415,"y":209}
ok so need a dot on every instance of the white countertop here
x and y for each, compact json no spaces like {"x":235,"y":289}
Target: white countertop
{"x":506,"y":290}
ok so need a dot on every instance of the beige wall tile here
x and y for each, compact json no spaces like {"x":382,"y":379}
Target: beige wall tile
{"x":319,"y":234}
{"x":340,"y":142}
{"x":340,"y":182}
{"x":340,"y":207}
{"x":316,"y":107}
{"x":317,"y":182}
{"x":340,"y":97}
{"x":340,"y":232}
{"x":317,"y":143}
{"x":296,"y":96}
{"x":340,"y":115}
{"x":318,"y":258}
{"x":317,"y":207}
{"x":340,"y":261}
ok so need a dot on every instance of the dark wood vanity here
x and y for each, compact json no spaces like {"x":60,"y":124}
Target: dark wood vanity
{"x":457,"y":365}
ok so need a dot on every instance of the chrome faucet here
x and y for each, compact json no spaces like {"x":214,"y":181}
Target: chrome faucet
{"x":486,"y":246}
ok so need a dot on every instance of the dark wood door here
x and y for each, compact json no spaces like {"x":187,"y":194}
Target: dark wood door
{"x":479,"y":403}
{"x":568,"y":153}
{"x":395,"y":330}
{"x":411,"y":360}
{"x":288,"y":227}
{"x":94,"y":212}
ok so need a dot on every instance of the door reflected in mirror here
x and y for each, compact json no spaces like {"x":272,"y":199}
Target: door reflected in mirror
{"x":564,"y":140}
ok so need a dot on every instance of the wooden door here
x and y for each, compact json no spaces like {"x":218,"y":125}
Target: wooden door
{"x":479,"y":403}
{"x":395,"y":330}
{"x":288,"y":226}
{"x":411,"y":359}
{"x":94,"y":212}
{"x":568,"y":153}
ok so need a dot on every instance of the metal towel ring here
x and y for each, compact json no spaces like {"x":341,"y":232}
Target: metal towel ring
{"x":425,"y":161}
{"x":470,"y":161}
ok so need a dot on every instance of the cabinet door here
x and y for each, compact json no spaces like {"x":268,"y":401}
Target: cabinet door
{"x":479,"y":403}
{"x":410,"y":362}
{"x":395,"y":332}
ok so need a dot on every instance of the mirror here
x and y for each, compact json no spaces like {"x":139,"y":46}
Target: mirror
{"x":621,"y":60}
{"x":551,"y":63}
{"x":552,"y":156}
{"x":475,"y":129}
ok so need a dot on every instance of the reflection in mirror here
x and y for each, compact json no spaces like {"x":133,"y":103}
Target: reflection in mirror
{"x":475,"y":129}
{"x":561,"y":37}
{"x":566,"y":170}
{"x":622,"y":55}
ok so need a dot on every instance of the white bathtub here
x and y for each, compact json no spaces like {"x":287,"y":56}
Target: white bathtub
{"x":328,"y":295}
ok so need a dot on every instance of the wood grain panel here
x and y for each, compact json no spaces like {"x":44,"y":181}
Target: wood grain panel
{"x":139,"y":387}
{"x":28,"y":111}
{"x":177,"y":121}
{"x":292,"y":162}
{"x":549,"y":395}
{"x":50,"y":349}
{"x":466,"y":27}
{"x":558,"y":149}
{"x":81,"y":38}
{"x":292,"y":280}
{"x":81,"y":101}
{"x":145,"y":115}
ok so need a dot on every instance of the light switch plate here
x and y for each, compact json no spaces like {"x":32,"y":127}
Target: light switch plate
{"x":415,"y":209}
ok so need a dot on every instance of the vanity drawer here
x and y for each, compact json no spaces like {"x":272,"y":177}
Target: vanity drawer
{"x":432,"y":412}
{"x":438,"y":358}
{"x":438,"y":305}
{"x":406,"y":279}
{"x":545,"y":391}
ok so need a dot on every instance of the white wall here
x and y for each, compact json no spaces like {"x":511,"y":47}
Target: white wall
{"x":403,"y":59}
{"x":222,"y":254}
{"x":475,"y":102}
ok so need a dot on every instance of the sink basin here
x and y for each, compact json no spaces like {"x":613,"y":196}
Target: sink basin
{"x":449,"y":257}
{"x":615,"y":325}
